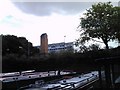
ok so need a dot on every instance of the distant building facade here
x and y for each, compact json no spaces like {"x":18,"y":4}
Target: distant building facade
{"x":59,"y":47}
{"x":44,"y":44}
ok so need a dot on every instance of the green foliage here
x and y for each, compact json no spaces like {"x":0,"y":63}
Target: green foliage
{"x":93,"y":47}
{"x":10,"y":44}
{"x":17,"y":45}
{"x":101,"y":22}
{"x":13,"y":62}
{"x":115,"y":23}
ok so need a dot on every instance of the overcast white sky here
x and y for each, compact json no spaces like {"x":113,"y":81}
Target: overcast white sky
{"x":31,"y":19}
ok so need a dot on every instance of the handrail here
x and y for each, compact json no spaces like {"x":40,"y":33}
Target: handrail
{"x":72,"y":85}
{"x":69,"y":85}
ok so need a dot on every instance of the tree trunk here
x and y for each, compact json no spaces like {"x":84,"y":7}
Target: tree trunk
{"x":106,"y":44}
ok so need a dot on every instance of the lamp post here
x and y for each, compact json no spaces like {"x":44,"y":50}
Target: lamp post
{"x":28,"y":49}
{"x":64,"y":38}
{"x":64,"y":41}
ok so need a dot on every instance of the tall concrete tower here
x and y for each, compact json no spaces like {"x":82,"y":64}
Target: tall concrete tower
{"x":44,"y":44}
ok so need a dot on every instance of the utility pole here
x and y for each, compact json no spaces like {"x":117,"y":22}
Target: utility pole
{"x":64,"y":41}
{"x":28,"y":49}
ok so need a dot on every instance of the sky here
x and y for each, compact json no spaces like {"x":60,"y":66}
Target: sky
{"x":30,"y":19}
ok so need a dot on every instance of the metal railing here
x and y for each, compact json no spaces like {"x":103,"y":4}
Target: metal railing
{"x":72,"y":86}
{"x":66,"y":85}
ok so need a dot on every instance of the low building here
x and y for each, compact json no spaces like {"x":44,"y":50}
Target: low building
{"x":59,"y":47}
{"x":119,"y":3}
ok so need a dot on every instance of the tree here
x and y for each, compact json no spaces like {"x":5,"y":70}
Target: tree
{"x":16,"y":45}
{"x":92,"y":47}
{"x":10,"y":44}
{"x":115,"y":23}
{"x":97,"y":23}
